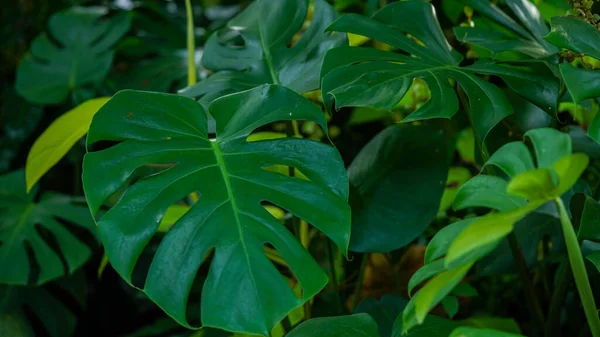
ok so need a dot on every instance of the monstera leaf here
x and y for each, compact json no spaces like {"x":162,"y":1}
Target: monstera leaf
{"x":22,"y":307}
{"x":354,"y":325}
{"x":254,"y":49}
{"x":356,"y":76}
{"x":525,"y":36}
{"x":229,"y":174}
{"x":37,"y":239}
{"x":75,"y":53}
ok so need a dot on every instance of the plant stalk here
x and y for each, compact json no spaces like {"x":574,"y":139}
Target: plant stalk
{"x":578,"y":267}
{"x":191,"y":49}
{"x":359,"y":280}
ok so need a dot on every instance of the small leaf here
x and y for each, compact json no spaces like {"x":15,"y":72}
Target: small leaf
{"x":450,"y":304}
{"x":438,"y":246}
{"x":569,"y":169}
{"x":581,"y":83}
{"x":487,"y":191}
{"x":357,"y":325}
{"x":475,"y":332}
{"x":533,"y":185}
{"x":58,"y":139}
{"x":572,"y":33}
{"x":550,"y":145}
{"x":431,"y":295}
{"x":485,"y":231}
{"x":513,"y":158}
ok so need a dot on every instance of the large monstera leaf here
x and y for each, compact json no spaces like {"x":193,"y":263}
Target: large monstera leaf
{"x":74,"y":53}
{"x":243,"y":291}
{"x":356,"y":76}
{"x":254,"y":49}
{"x":38,"y":240}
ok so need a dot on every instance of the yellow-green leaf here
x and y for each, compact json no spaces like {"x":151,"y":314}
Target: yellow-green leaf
{"x":569,"y":169}
{"x":58,"y":139}
{"x":533,"y":185}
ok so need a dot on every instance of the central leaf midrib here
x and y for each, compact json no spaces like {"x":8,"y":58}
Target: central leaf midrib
{"x":268,"y":57}
{"x":226,"y":179}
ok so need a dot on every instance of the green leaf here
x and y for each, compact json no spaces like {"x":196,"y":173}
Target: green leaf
{"x":533,"y":185}
{"x":549,"y":145}
{"x":572,"y":33}
{"x":487,"y":191}
{"x":433,"y":326}
{"x":431,"y":295}
{"x":464,"y":331}
{"x":253,"y":49}
{"x":485,"y":231}
{"x":58,"y":139}
{"x":153,"y":128}
{"x":82,"y":57}
{"x":569,"y":169}
{"x":496,"y":323}
{"x":355,"y":76}
{"x":450,"y":304}
{"x":439,"y":244}
{"x":22,"y":308}
{"x":44,"y":228}
{"x":359,"y":325}
{"x":400,"y":161}
{"x":581,"y":83}
{"x":383,"y":311}
{"x":594,"y":258}
{"x":525,"y":36}
{"x":513,"y":159}
{"x":590,"y":217}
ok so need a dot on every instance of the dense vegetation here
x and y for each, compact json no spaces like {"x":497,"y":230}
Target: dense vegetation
{"x":300,"y":168}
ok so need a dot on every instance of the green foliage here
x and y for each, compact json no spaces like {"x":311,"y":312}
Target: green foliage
{"x":72,"y":57}
{"x":341,"y":168}
{"x":227,"y":173}
{"x":36,"y":243}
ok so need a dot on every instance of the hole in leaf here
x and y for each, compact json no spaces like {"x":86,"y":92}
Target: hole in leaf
{"x":34,"y":266}
{"x":101,"y":145}
{"x":142,"y":266}
{"x":193,"y":306}
{"x":50,"y":239}
{"x":81,"y":233}
{"x":36,"y":323}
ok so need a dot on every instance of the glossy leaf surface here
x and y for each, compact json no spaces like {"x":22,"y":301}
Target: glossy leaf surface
{"x":525,"y":34}
{"x":42,"y":228}
{"x":228,"y":174}
{"x":254,"y":49}
{"x":354,"y":76}
{"x":401,"y":162}
{"x":81,"y":55}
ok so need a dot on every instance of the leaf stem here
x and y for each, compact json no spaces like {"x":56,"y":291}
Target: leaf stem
{"x":191,"y":49}
{"x":578,"y":267}
{"x":359,"y":281}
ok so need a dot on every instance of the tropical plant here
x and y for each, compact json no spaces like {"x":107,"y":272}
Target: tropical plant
{"x":301,"y":168}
